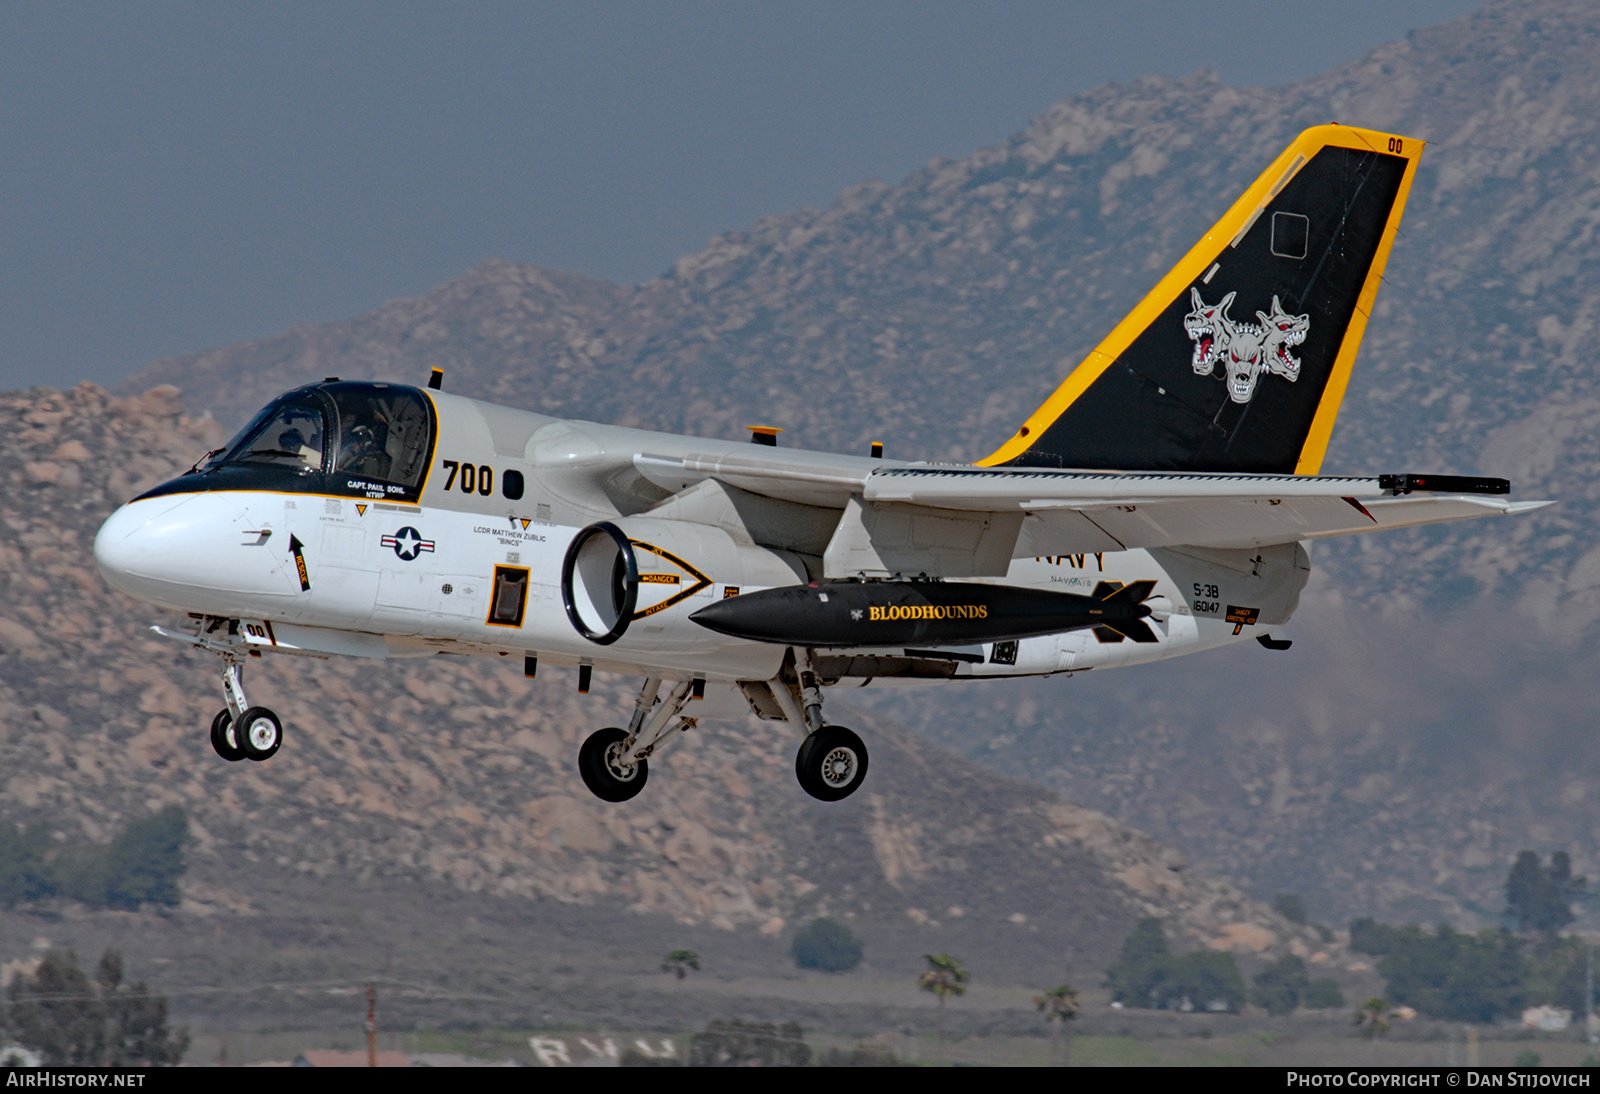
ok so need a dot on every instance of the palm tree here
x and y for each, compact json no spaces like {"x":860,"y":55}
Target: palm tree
{"x":1373,"y":1019}
{"x":1059,"y":1005}
{"x":679,"y":962}
{"x":945,"y":976}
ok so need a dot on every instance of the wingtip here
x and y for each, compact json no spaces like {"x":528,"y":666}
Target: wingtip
{"x":1517,"y":507}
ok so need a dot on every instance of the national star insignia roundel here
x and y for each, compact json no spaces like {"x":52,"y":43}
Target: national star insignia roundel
{"x":408,"y":543}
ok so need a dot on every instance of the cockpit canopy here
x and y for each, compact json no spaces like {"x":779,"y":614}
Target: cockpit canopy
{"x":356,"y":439}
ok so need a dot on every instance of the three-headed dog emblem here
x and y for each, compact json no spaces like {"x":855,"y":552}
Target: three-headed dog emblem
{"x":1246,"y":350}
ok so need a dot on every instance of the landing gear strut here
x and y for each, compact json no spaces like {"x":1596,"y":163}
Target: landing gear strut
{"x":832,"y":762}
{"x":613,"y":762}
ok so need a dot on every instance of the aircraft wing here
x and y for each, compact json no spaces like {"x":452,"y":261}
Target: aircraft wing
{"x":963,"y":519}
{"x":1069,"y":511}
{"x":810,"y":478}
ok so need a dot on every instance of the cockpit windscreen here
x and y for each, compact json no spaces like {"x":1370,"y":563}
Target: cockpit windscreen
{"x":383,"y":433}
{"x":288,"y":434}
{"x":360,"y":439}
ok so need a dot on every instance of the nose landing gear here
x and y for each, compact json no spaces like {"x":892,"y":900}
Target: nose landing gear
{"x":222,"y":738}
{"x":261,"y":735}
{"x":239,"y":731}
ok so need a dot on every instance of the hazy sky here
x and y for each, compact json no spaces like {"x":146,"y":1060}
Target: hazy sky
{"x":179,"y":176}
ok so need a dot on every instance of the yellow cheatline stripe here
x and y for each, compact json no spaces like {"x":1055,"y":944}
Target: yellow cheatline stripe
{"x":413,"y":507}
{"x":1199,"y":259}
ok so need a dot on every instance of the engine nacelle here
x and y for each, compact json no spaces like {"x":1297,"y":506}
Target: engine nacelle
{"x":619,"y":572}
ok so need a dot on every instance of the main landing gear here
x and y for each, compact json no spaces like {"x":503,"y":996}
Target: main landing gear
{"x":614,"y":762}
{"x":831,"y":764}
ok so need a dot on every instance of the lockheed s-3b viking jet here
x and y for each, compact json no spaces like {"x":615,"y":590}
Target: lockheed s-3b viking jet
{"x":1158,"y":503}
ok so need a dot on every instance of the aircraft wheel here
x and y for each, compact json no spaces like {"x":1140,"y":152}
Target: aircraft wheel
{"x":222,"y":737}
{"x":610,"y":780}
{"x":832,"y":763}
{"x":259,"y":733}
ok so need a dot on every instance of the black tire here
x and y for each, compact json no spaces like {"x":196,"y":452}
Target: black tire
{"x":222,"y":737}
{"x":259,"y":733}
{"x":832,"y":764}
{"x":603,"y":777}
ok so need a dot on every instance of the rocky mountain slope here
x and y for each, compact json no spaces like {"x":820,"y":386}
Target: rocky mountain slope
{"x":460,"y":774}
{"x":1434,"y":717}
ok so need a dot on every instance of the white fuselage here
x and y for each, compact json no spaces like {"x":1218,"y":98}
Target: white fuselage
{"x":383,"y":578}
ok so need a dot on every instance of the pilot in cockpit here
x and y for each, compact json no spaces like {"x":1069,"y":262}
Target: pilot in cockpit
{"x":361,"y":454}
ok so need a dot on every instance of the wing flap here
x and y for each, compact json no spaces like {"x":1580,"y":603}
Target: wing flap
{"x":1257,"y":522}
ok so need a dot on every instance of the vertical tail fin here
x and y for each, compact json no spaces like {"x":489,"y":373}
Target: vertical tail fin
{"x":1238,"y":359}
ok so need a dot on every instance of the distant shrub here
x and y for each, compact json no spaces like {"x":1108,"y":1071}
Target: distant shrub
{"x":1285,"y":985}
{"x":1211,"y":980}
{"x":1323,"y":994}
{"x":1367,"y":935}
{"x":1291,"y":907}
{"x":1540,"y":899}
{"x":142,"y":865}
{"x":145,"y":862}
{"x":81,"y":871}
{"x":1451,"y":975}
{"x":65,"y":1019}
{"x":25,"y":874}
{"x":1148,"y":974}
{"x":826,"y":945}
{"x":1282,"y":986}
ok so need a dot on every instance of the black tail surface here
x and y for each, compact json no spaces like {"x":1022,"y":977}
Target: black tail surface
{"x":1239,"y":358}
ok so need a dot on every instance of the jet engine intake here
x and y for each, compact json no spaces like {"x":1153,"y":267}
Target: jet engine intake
{"x":652,"y":573}
{"x":600,"y":582}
